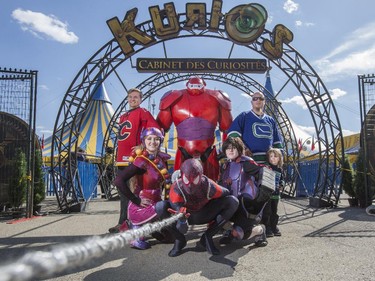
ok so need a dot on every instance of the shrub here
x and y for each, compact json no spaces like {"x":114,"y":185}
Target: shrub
{"x":347,"y":179}
{"x":18,"y":183}
{"x":39,"y":185}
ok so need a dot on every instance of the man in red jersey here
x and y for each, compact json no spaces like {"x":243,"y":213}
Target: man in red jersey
{"x":131,"y":124}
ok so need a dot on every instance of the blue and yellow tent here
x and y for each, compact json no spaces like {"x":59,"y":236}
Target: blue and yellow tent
{"x":95,"y":120}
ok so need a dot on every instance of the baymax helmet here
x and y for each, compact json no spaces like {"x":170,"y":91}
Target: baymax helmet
{"x":195,"y":85}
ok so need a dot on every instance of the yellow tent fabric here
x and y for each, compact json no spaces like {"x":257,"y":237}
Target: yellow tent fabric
{"x":95,"y":120}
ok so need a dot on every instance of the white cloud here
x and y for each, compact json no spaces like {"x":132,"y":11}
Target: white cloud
{"x":355,"y":63}
{"x":298,"y":100}
{"x":337,"y":93}
{"x":354,"y":56}
{"x":309,"y":130}
{"x":43,"y":87}
{"x":357,"y":39}
{"x":299,"y":23}
{"x":290,"y":6}
{"x":43,"y":26}
{"x":246,"y":95}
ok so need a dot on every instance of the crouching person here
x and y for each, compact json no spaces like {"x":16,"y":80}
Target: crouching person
{"x":247,"y":181}
{"x":202,"y":201}
{"x":149,"y":166}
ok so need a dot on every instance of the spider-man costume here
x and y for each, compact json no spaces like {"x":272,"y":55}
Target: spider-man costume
{"x":202,"y":201}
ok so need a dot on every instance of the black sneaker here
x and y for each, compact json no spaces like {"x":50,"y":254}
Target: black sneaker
{"x":276,"y":232}
{"x":261,"y":243}
{"x":269,"y":233}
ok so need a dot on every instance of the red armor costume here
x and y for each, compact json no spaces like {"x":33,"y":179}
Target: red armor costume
{"x":149,"y":166}
{"x":196,"y":112}
{"x":150,"y":181}
{"x":152,"y":172}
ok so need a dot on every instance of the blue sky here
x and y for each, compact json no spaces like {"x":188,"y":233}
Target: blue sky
{"x":58,"y":37}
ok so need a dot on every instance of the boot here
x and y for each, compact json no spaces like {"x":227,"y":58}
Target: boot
{"x":227,"y":237}
{"x":125,"y":226}
{"x":259,"y":236}
{"x":276,"y":231}
{"x":269,"y":232}
{"x":139,"y":243}
{"x":206,"y":239}
{"x":179,"y":243}
{"x":274,"y":221}
{"x":115,"y":229}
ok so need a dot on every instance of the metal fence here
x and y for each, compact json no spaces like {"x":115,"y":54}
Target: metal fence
{"x":89,"y":175}
{"x":308,"y":172}
{"x":18,"y":93}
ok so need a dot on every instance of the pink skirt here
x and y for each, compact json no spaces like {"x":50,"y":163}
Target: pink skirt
{"x":139,"y":215}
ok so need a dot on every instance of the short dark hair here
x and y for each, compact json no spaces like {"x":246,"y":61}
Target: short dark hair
{"x":234,"y":142}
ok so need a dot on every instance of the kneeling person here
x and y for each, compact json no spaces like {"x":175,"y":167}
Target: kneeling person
{"x":244,"y":178}
{"x":202,"y":200}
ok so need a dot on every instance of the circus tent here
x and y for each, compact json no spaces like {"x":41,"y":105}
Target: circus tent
{"x":95,"y":120}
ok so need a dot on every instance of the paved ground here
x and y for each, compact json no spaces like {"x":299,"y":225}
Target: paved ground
{"x":316,"y":244}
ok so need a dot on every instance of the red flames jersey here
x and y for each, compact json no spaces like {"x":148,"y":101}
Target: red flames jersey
{"x":130,"y":127}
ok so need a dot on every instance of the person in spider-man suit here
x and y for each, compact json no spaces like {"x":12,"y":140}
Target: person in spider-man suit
{"x":196,"y":111}
{"x":202,"y":201}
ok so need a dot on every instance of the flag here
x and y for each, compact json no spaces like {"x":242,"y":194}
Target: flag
{"x":299,"y":144}
{"x":42,"y":142}
{"x":312,"y":144}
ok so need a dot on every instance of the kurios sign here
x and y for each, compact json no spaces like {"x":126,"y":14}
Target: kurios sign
{"x":243,"y":25}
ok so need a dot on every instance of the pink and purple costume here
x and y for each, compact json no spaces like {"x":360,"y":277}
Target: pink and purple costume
{"x":151,"y":174}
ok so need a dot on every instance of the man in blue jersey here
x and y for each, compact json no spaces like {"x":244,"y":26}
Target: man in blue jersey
{"x":257,"y":130}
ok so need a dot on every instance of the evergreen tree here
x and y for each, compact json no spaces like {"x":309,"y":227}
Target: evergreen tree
{"x":359,"y":180}
{"x":39,"y":185}
{"x":347,"y":179}
{"x":18,"y":183}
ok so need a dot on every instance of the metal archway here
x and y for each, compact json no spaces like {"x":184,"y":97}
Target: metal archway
{"x":104,"y":62}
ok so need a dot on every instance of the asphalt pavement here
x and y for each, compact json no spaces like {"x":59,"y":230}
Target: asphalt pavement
{"x":316,"y":244}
